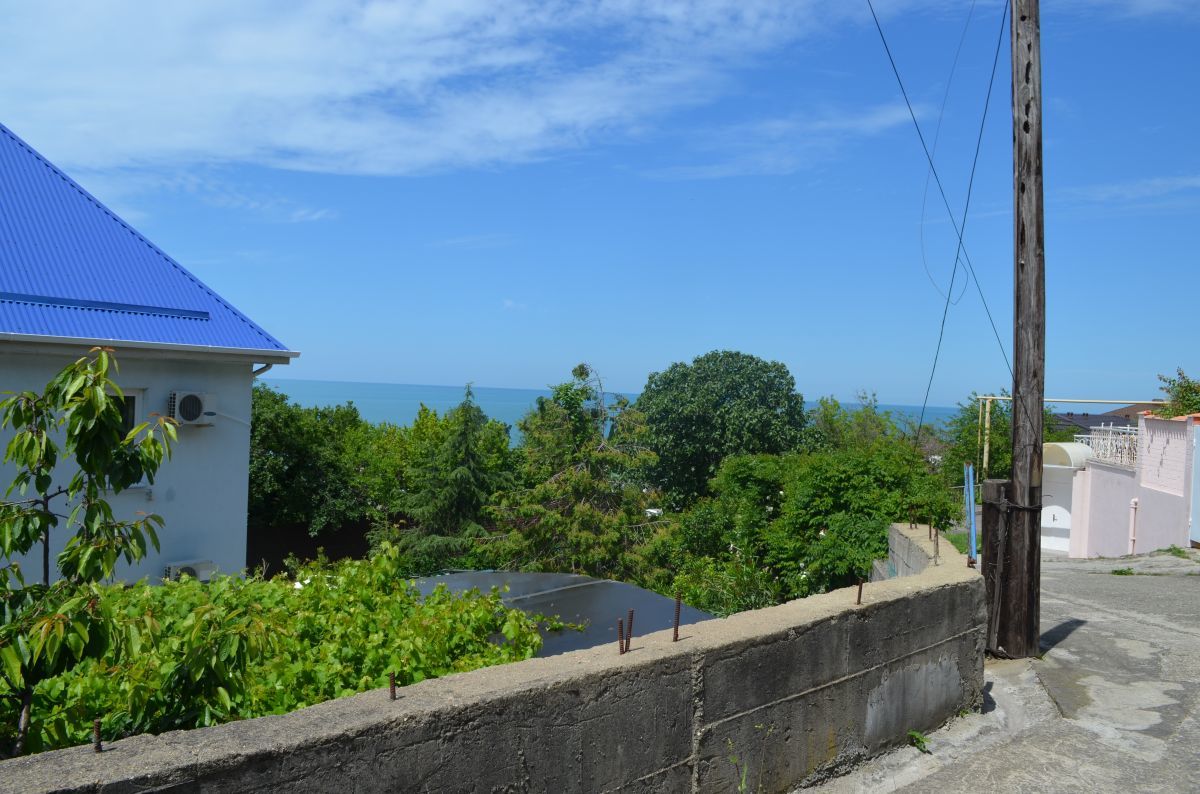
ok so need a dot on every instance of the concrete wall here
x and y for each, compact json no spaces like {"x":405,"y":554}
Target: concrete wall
{"x":1161,"y":483}
{"x":201,"y":491}
{"x":796,"y":692}
{"x":910,"y":551}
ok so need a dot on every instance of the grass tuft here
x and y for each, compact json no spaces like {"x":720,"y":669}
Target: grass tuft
{"x":919,"y":741}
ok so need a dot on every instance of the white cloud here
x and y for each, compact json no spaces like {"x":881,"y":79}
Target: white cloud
{"x":308,"y":215}
{"x":1135,"y":190}
{"x":785,"y":144}
{"x":513,"y":306}
{"x":121,"y":187}
{"x":367,"y":88}
{"x":381,"y":87}
{"x":1137,"y":8}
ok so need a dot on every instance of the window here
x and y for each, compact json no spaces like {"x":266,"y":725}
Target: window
{"x":128,"y":405}
{"x":131,"y":409}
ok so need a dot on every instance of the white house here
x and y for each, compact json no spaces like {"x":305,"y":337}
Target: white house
{"x":74,"y":275}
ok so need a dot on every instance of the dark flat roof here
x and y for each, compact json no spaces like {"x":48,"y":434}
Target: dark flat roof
{"x":596,"y":603}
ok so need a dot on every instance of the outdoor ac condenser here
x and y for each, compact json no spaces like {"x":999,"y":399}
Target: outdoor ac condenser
{"x":191,"y":408}
{"x":201,"y":570}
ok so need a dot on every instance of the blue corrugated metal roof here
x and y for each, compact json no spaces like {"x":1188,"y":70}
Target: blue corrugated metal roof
{"x":69,"y":267}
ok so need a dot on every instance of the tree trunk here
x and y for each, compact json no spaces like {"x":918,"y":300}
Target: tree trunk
{"x":23,"y":721}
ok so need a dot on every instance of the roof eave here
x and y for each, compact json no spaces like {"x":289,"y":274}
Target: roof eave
{"x":264,"y":356}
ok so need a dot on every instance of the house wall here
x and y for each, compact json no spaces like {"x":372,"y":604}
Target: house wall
{"x":1108,"y":492}
{"x":1195,"y":495}
{"x":201,"y":491}
{"x":796,"y":692}
{"x":1165,"y":461}
{"x":1081,"y":522}
{"x":1162,"y":483}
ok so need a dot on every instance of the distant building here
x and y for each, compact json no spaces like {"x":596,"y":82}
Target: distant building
{"x":1130,"y":413}
{"x":1083,"y":422}
{"x":73,"y":275}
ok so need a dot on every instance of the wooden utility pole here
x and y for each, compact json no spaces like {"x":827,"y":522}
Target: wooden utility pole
{"x":1014,"y":614}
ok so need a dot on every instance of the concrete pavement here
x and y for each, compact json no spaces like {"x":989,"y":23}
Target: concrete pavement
{"x":1111,"y":705}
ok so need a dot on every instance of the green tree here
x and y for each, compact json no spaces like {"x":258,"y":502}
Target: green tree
{"x":1183,"y":395}
{"x":46,"y":629}
{"x":450,"y":484}
{"x":963,"y":437}
{"x":583,"y":504}
{"x":830,"y":425}
{"x":723,"y":403}
{"x":845,"y":551}
{"x":302,"y":472}
{"x":786,"y":526}
{"x":377,"y":458}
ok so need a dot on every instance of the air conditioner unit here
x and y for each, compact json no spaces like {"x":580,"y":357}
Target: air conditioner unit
{"x":201,"y":570}
{"x":191,"y":408}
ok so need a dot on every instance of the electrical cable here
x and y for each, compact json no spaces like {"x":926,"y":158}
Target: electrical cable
{"x":966,"y":209}
{"x":937,"y":134}
{"x":937,"y":180}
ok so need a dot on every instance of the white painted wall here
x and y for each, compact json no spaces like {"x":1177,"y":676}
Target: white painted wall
{"x":201,"y":491}
{"x":1057,"y":487}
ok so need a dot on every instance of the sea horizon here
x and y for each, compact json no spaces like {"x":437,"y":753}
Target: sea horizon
{"x":398,"y":403}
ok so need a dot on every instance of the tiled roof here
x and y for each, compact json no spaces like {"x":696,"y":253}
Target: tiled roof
{"x":1085,"y":422}
{"x":69,"y":267}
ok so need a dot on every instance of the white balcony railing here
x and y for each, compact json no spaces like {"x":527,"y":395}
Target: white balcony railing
{"x":1113,"y":444}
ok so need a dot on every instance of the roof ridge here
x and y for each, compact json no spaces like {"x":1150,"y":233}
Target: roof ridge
{"x":146,"y":241}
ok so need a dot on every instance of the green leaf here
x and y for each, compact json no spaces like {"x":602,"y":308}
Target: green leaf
{"x":10,"y":663}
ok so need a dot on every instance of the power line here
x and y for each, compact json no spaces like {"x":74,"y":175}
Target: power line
{"x":961,"y":249}
{"x":937,"y":134}
{"x":966,"y":209}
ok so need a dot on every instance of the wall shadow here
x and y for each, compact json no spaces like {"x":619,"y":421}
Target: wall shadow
{"x":1059,"y":633}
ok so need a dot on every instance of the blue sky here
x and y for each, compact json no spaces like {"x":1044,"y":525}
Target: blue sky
{"x":462,"y":190}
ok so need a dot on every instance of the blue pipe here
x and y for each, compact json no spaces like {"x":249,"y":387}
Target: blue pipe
{"x":970,"y":489}
{"x":967,"y":496}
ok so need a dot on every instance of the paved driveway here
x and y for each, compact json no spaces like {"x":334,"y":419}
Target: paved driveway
{"x":1111,"y":706}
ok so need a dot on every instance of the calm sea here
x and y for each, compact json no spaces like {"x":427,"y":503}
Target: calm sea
{"x":398,"y":403}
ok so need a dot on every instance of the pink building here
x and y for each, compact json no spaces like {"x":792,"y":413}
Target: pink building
{"x":1137,"y":490}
